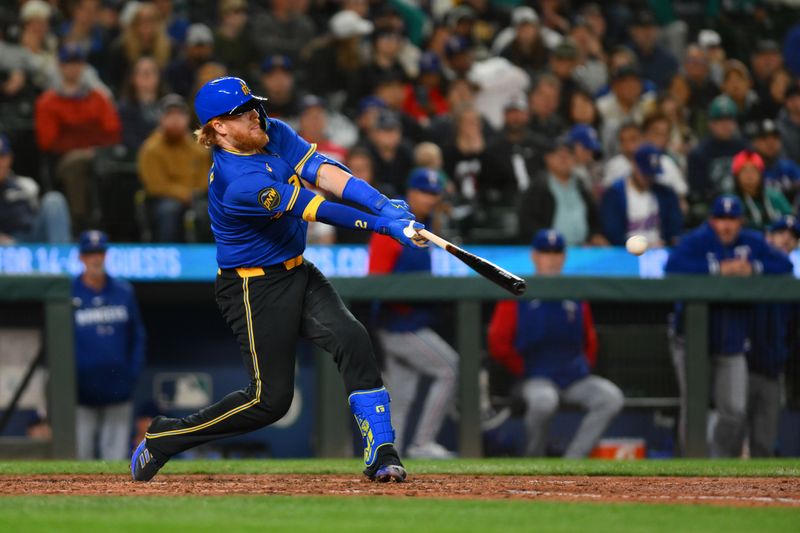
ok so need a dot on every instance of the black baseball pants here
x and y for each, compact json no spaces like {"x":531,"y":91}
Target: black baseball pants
{"x":268,"y":309}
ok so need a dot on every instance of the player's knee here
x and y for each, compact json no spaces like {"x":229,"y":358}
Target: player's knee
{"x":282,"y":404}
{"x":613,"y":399}
{"x":274,"y":406}
{"x":354,"y":338}
{"x":542,"y":401}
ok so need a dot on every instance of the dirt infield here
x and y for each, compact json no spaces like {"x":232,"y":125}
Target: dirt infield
{"x":749,"y":491}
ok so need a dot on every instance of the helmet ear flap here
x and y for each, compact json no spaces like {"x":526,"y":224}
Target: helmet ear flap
{"x":262,"y":117}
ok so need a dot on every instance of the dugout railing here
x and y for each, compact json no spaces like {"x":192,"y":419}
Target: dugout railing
{"x":54,"y":294}
{"x":467,"y":295}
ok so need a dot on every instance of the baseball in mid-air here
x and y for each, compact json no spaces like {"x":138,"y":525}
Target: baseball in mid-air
{"x":636,"y":244}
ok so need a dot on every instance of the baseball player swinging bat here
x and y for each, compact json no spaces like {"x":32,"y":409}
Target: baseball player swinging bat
{"x":503,"y":278}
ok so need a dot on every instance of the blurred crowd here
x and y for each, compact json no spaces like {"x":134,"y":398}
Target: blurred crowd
{"x":600,"y":120}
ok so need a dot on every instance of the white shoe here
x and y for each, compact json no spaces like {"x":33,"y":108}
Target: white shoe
{"x":429,"y":450}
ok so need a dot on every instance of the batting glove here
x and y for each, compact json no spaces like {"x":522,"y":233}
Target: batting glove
{"x":392,"y":209}
{"x":404,"y":232}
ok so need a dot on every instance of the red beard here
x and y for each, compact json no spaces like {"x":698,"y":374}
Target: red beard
{"x":250,"y":141}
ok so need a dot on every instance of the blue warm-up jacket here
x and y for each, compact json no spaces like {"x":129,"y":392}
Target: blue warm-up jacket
{"x":109,"y":342}
{"x":700,"y":252}
{"x":614,"y":213}
{"x":773,"y":338}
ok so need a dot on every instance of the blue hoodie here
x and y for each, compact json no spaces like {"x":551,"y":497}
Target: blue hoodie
{"x":700,"y":252}
{"x":109,"y":342}
{"x":614,"y":213}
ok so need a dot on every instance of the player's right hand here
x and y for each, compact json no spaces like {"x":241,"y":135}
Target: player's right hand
{"x":405,"y":232}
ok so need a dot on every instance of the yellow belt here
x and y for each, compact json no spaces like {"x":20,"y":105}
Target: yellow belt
{"x":250,"y":272}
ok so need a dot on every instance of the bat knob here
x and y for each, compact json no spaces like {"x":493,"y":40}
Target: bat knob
{"x":519,"y":287}
{"x":409,"y":230}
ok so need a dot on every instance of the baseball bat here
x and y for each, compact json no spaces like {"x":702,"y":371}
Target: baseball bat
{"x":513,"y":284}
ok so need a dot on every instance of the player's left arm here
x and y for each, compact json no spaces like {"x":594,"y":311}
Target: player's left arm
{"x":330,"y":175}
{"x":260,"y":196}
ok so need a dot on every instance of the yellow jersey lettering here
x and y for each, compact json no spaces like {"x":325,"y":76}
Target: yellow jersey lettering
{"x":362,"y":224}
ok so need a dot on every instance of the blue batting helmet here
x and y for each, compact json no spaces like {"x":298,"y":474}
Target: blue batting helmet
{"x":227,"y":96}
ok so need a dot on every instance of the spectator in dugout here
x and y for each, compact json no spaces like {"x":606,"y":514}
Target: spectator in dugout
{"x":71,"y":120}
{"x":173,"y":169}
{"x":558,"y":199}
{"x":24,"y":217}
{"x":413,"y":349}
{"x":639,"y":205}
{"x":773,"y":340}
{"x":762,"y":205}
{"x":109,"y":354}
{"x":723,"y":247}
{"x":551,"y":346}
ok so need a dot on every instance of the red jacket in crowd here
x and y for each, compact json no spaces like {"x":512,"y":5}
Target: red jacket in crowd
{"x":69,"y":123}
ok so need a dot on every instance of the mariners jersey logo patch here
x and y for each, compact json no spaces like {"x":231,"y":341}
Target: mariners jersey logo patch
{"x":270,"y":198}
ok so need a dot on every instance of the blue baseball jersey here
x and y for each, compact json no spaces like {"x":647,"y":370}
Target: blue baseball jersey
{"x":109,"y":341}
{"x":257,"y":203}
{"x":700,"y":252}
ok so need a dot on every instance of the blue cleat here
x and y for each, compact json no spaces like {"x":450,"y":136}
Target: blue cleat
{"x":144,"y":464}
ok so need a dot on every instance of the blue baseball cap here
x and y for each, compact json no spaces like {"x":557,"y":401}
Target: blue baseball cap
{"x":5,"y":145}
{"x":93,"y":241}
{"x":726,"y":206}
{"x":72,"y":53}
{"x":786,"y":222}
{"x":648,"y":160}
{"x":548,"y":240}
{"x":425,"y":180}
{"x":368,"y":102}
{"x":584,"y":135}
{"x":270,"y":63}
{"x":429,"y":63}
{"x":311,"y":100}
{"x":456,"y":45}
